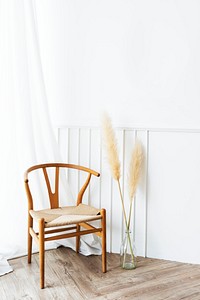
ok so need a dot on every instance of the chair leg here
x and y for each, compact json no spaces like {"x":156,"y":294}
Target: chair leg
{"x":103,"y":225}
{"x":41,"y":252}
{"x":77,"y":239}
{"x":30,"y":225}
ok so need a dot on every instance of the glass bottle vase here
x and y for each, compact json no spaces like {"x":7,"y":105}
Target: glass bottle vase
{"x":128,"y":252}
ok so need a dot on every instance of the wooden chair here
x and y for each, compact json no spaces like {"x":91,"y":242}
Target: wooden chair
{"x":62,"y":219}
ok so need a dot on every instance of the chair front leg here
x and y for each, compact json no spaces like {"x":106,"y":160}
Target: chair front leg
{"x":41,"y":252}
{"x":103,"y":236}
{"x":30,"y":225}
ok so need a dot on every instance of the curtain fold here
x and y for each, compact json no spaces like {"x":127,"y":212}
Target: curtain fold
{"x":26,"y":132}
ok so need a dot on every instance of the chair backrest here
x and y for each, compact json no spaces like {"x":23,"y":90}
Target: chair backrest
{"x":54,"y":196}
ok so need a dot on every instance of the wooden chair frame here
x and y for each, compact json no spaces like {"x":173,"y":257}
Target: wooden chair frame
{"x":42,"y":236}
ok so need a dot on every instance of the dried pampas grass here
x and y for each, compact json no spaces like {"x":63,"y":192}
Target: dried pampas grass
{"x":135,"y":169}
{"x":110,"y":144}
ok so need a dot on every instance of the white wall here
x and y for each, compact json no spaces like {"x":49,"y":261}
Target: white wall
{"x":140,"y":61}
{"x":165,"y":222}
{"x":173,"y":206}
{"x":137,"y":59}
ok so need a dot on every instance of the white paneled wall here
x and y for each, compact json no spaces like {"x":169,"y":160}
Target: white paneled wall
{"x":173,"y":230}
{"x":165,"y":221}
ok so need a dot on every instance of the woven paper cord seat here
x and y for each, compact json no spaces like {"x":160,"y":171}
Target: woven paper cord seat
{"x":66,"y":215}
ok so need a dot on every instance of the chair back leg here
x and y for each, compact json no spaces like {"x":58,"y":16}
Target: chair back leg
{"x":103,"y":226}
{"x":41,"y":251}
{"x":77,"y":239}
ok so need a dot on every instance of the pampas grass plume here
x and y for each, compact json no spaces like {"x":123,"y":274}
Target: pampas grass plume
{"x":110,"y":143}
{"x":135,"y":169}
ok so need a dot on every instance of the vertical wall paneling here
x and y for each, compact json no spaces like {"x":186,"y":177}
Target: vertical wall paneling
{"x":165,"y":217}
{"x":116,"y":202}
{"x":73,"y":157}
{"x":173,"y":227}
{"x":122,"y":183}
{"x":84,"y":158}
{"x":106,"y":201}
{"x":141,"y":198}
{"x":129,"y":141}
{"x":95,"y":164}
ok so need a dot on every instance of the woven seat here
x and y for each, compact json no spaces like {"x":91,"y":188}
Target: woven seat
{"x":66,"y":215}
{"x":65,"y":221}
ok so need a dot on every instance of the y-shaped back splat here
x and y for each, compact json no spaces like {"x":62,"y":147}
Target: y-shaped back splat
{"x":84,"y":187}
{"x":53,"y":197}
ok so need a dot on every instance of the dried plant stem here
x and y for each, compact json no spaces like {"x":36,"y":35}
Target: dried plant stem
{"x":122,"y":202}
{"x":130,"y":212}
{"x":127,"y":226}
{"x":131,"y":249}
{"x":134,"y":174}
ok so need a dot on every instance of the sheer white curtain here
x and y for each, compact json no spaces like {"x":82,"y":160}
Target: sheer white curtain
{"x":25,"y":127}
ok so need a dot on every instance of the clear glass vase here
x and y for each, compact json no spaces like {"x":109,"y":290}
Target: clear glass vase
{"x":128,"y":252}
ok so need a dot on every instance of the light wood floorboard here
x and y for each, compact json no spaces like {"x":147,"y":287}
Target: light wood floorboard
{"x":76,"y":277}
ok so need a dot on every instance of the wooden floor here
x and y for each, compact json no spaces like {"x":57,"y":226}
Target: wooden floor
{"x":71,"y":276}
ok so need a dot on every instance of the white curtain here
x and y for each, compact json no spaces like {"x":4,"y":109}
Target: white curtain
{"x":26,"y":133}
{"x":25,"y":128}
